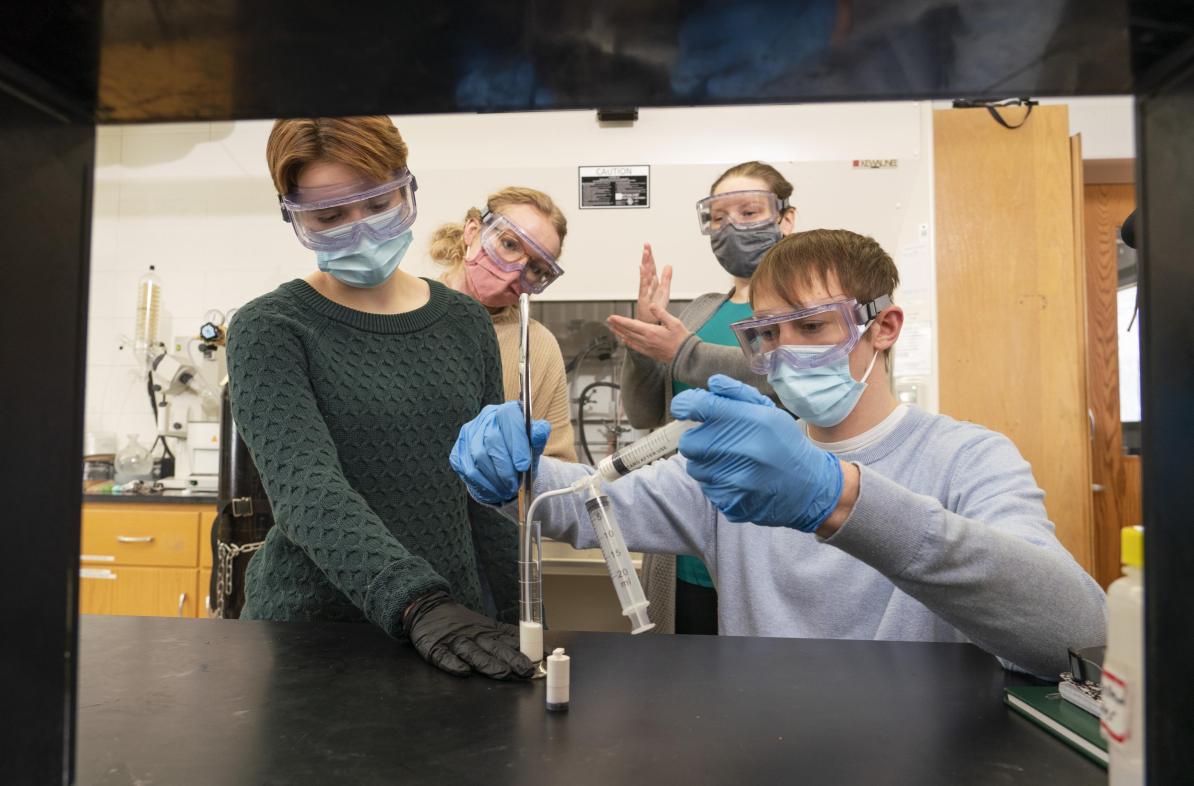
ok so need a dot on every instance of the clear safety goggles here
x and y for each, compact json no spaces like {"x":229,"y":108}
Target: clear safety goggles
{"x":806,"y":337}
{"x":512,"y":249}
{"x":743,"y":209}
{"x":334,"y":218}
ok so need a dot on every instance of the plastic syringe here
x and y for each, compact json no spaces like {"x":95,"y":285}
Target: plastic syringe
{"x":617,"y":560}
{"x":609,"y":535}
{"x":656,"y":445}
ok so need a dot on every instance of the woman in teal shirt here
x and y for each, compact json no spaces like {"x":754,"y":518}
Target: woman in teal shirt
{"x":746,"y":213}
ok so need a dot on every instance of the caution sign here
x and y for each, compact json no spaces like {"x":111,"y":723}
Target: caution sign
{"x":615,"y":186}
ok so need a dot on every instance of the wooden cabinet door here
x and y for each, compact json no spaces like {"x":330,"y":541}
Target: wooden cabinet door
{"x":1116,"y":475}
{"x":203,"y":593}
{"x":1011,"y":300}
{"x":143,"y":592}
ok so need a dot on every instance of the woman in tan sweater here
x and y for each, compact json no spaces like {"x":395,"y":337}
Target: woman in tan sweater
{"x":495,"y":255}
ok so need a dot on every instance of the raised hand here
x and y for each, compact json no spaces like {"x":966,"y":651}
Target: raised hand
{"x":652,"y":288}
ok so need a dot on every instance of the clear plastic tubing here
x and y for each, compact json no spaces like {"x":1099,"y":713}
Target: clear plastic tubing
{"x":656,"y":445}
{"x":617,"y":560}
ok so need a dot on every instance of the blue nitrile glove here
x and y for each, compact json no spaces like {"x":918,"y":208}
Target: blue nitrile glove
{"x":492,"y":450}
{"x":753,"y":461}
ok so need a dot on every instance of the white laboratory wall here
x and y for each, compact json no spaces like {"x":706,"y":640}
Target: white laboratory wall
{"x":814,"y":145}
{"x":1106,"y":123}
{"x":195,"y":200}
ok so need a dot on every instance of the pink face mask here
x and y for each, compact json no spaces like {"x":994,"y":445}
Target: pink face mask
{"x":490,"y":284}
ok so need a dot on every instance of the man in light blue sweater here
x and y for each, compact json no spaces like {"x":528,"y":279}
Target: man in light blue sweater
{"x":872,"y":520}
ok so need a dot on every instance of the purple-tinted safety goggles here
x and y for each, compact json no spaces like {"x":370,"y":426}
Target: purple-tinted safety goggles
{"x":334,"y":218}
{"x":806,"y":337}
{"x":512,"y":249}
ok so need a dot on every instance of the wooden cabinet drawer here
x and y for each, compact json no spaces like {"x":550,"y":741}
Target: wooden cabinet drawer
{"x":153,"y":536}
{"x":144,"y":592}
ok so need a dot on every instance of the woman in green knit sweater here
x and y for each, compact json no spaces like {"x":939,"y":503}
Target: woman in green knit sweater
{"x":350,"y":386}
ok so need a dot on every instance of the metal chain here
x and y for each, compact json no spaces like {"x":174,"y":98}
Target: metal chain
{"x":227,"y":553}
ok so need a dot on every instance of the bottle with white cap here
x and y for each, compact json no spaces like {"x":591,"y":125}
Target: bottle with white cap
{"x":558,"y":678}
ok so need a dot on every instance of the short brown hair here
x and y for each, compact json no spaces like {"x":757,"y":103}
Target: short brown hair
{"x":447,"y":242}
{"x":803,"y":259}
{"x":369,"y":144}
{"x":777,"y":183}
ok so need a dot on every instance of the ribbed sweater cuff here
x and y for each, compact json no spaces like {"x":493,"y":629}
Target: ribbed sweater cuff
{"x":396,"y":587}
{"x":888,"y":525}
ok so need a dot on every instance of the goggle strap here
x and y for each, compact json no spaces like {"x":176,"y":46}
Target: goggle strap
{"x":868,"y":311}
{"x":282,"y":207}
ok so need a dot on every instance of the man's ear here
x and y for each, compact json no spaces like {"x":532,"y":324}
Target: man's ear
{"x":886,"y":328}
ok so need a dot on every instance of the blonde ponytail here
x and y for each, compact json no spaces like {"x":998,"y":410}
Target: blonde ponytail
{"x":447,"y":242}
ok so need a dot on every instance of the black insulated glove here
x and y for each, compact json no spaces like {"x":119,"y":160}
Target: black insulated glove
{"x":460,"y":641}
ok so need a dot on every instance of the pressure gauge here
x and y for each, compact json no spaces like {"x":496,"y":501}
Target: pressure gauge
{"x":211,"y":332}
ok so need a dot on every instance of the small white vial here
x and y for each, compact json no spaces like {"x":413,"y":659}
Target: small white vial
{"x":558,"y":680}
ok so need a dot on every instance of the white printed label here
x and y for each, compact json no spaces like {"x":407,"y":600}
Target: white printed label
{"x":1117,"y":715}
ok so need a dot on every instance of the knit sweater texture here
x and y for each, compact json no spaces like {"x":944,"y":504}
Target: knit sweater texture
{"x":350,"y":418}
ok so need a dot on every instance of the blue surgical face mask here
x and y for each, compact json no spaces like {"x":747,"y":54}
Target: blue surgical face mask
{"x":368,"y":263}
{"x":823,"y":395}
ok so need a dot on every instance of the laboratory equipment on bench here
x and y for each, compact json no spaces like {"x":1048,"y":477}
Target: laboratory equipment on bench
{"x":172,"y":375}
{"x":203,"y":444}
{"x":133,"y":462}
{"x":175,"y":380}
{"x":212,"y":334}
{"x":530,"y":540}
{"x":145,"y":329}
{"x":653,"y":447}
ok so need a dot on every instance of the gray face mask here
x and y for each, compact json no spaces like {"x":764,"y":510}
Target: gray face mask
{"x":741,"y":250}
